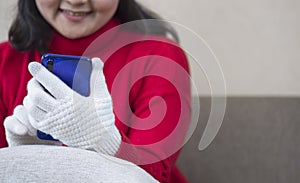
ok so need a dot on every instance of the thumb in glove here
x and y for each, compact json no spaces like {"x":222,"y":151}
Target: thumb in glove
{"x":19,"y":131}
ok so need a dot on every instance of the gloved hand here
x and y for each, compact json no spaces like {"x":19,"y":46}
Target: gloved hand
{"x":18,"y":130}
{"x":75,"y":120}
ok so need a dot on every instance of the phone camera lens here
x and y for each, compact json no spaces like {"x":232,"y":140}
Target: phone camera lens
{"x":50,"y":62}
{"x":50,"y":65}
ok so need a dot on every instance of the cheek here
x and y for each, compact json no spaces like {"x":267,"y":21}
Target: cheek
{"x":47,"y":7}
{"x":105,"y":5}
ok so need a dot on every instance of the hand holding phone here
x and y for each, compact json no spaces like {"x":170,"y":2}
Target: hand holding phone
{"x":76,"y":120}
{"x":75,"y":71}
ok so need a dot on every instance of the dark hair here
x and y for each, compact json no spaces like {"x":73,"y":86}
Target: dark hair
{"x":30,"y":31}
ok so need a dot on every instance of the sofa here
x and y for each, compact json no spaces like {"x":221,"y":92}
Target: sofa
{"x":258,"y":142}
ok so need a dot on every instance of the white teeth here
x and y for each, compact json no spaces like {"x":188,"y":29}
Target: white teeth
{"x":71,"y":13}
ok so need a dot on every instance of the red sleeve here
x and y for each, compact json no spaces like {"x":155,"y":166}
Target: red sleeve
{"x":154,"y":143}
{"x":3,"y":110}
{"x":13,"y":81}
{"x":3,"y":142}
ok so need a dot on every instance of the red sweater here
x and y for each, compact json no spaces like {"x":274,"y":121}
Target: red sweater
{"x":152,"y":129}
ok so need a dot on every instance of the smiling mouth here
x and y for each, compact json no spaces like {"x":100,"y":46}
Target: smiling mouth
{"x":75,"y":13}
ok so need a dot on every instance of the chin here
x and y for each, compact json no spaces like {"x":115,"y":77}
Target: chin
{"x":74,"y":35}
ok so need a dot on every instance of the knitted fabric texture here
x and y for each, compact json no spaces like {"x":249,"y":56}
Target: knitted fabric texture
{"x":75,"y":120}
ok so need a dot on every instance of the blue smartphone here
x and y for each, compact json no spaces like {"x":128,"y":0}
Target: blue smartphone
{"x":75,"y":71}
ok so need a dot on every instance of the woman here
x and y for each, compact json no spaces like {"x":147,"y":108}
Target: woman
{"x":139,"y":127}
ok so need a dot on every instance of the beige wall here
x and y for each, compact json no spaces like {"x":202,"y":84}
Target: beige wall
{"x":257,"y":42}
{"x":7,"y":10}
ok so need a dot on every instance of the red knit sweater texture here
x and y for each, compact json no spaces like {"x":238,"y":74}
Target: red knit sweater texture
{"x":148,"y":78}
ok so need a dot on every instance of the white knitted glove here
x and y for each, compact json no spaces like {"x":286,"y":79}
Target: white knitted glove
{"x":18,"y":130}
{"x":75,"y":120}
